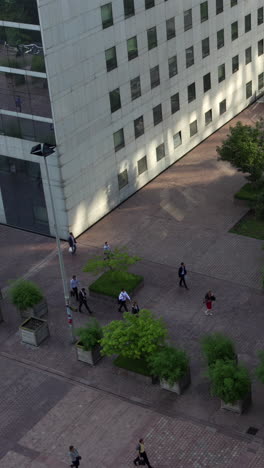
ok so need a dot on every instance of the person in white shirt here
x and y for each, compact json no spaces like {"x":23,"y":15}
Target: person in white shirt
{"x":107,"y":250}
{"x":74,"y":283}
{"x":122,"y":298}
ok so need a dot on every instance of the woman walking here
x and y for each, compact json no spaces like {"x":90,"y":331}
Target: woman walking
{"x":208,"y":300}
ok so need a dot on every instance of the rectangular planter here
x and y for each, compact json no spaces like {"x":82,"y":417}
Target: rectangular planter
{"x":90,"y":357}
{"x":37,"y":310}
{"x":239,"y":406}
{"x":179,"y":386}
{"x":34,"y":330}
{"x":111,"y":299}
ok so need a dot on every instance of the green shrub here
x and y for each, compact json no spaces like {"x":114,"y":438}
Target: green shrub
{"x":25,"y":294}
{"x":110,"y":283}
{"x":250,"y":191}
{"x":217,"y":346}
{"x":89,"y":335}
{"x":118,"y":260}
{"x":260,"y":368}
{"x":230,"y":382}
{"x":140,"y":366}
{"x":169,"y":364}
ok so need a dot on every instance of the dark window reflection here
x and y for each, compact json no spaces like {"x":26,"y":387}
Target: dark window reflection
{"x":27,"y":94}
{"x":27,"y":129}
{"x":21,"y":48}
{"x":20,"y":11}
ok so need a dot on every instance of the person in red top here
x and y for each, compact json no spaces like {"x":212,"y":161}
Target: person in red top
{"x":208,"y":300}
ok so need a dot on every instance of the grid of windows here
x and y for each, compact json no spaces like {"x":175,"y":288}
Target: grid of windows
{"x":187,"y":19}
{"x":191,"y":92}
{"x":205,"y":47}
{"x":248,"y":89}
{"x":248,"y":55}
{"x":235,"y":64}
{"x":193,"y":128}
{"x":221,"y":73}
{"x":233,"y":3}
{"x":139,"y":126}
{"x":204,"y":11}
{"x":220,"y":38}
{"x":219,"y":6}
{"x":222,"y":107}
{"x":175,"y":103}
{"x":160,"y":152}
{"x":261,"y":80}
{"x":119,"y":139}
{"x":177,"y":140}
{"x":154,"y":77}
{"x":149,"y":4}
{"x":157,"y":114}
{"x":115,"y":101}
{"x":189,"y":55}
{"x":173,"y":67}
{"x":135,"y":88}
{"x":170,"y":28}
{"x":208,"y":117}
{"x":129,"y":8}
{"x":260,"y":15}
{"x":152,"y":38}
{"x":132,"y":48}
{"x":122,"y":179}
{"x":234,"y":30}
{"x":260,"y":47}
{"x":142,"y":165}
{"x":247,"y":23}
{"x":110,"y":58}
{"x":107,"y":15}
{"x":207,"y":82}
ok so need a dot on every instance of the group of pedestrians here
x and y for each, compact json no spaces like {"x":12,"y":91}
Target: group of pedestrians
{"x":80,"y":295}
{"x":209,"y":297}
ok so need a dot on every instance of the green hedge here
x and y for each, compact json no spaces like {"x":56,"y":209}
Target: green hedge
{"x":135,"y":365}
{"x":111,"y":283}
{"x":249,"y":192}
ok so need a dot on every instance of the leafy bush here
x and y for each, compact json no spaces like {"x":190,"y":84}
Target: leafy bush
{"x":118,"y":260}
{"x":217,"y":346}
{"x":136,"y":336}
{"x":25,"y":294}
{"x":140,"y":366}
{"x":230,"y":382}
{"x":250,"y":192}
{"x":89,"y":335}
{"x":169,"y":364}
{"x":110,"y":283}
{"x":260,"y":368}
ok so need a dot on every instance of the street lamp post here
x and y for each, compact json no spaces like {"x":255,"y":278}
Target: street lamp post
{"x":45,"y":150}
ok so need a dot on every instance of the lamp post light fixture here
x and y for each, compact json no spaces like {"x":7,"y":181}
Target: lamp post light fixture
{"x":44,"y":150}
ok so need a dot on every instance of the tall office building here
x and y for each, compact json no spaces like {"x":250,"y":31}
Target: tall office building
{"x":123,"y":87}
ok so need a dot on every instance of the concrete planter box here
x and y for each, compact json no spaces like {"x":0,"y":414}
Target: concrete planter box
{"x":37,"y":310}
{"x":111,"y":299}
{"x":34,"y":330}
{"x":239,"y":406}
{"x":90,"y":357}
{"x":179,"y":386}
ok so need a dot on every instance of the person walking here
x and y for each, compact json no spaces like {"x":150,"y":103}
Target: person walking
{"x":74,"y":456}
{"x":122,"y":298}
{"x":72,"y":243}
{"x":141,"y":454}
{"x":135,"y":308}
{"x":182,"y":272}
{"x":83,"y":301}
{"x":208,"y":300}
{"x":74,"y":283}
{"x":107,"y":251}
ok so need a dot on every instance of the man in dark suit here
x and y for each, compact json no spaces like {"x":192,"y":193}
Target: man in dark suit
{"x":182,"y":272}
{"x":83,"y":301}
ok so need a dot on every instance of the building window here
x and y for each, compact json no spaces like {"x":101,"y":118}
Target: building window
{"x":173,"y":68}
{"x":205,"y":47}
{"x":135,"y":88}
{"x":160,"y":152}
{"x":207,"y":82}
{"x":189,"y":54}
{"x":119,"y":140}
{"x":175,"y":103}
{"x":191,"y":92}
{"x":249,"y":89}
{"x":260,"y":47}
{"x":157,"y":114}
{"x":222,"y":107}
{"x":170,"y":28}
{"x":233,"y":3}
{"x":115,"y":101}
{"x":247,"y":23}
{"x":260,"y":15}
{"x":154,"y":77}
{"x":193,"y":128}
{"x":149,"y":4}
{"x":187,"y":19}
{"x":220,"y":38}
{"x":142,"y":165}
{"x":261,"y":80}
{"x":248,"y":55}
{"x":177,"y":140}
{"x":204,"y":11}
{"x":235,"y":64}
{"x":107,"y":15}
{"x":139,"y":126}
{"x":234,"y":30}
{"x":122,"y":179}
{"x":208,"y":117}
{"x":129,"y":8}
{"x":132,"y":48}
{"x":110,"y":58}
{"x":219,"y":6}
{"x":152,"y":38}
{"x":221,"y":73}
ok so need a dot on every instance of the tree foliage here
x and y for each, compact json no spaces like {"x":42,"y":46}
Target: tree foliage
{"x":169,"y":364}
{"x":90,"y":334}
{"x":118,"y":260}
{"x":25,"y":294}
{"x":217,"y":346}
{"x":136,"y":336}
{"x":230,"y":382}
{"x":243,"y":148}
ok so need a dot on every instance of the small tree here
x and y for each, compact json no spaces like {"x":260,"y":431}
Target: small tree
{"x":119,"y":260}
{"x":89,"y":335}
{"x":230,"y":382}
{"x":217,"y":346}
{"x":25,"y":294}
{"x":260,"y":368}
{"x":169,"y":364}
{"x":136,"y":336}
{"x":243,"y":148}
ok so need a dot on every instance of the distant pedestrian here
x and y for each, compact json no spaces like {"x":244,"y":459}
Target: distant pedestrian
{"x":141,"y":455}
{"x":72,"y":243}
{"x":122,"y":298}
{"x":74,"y":456}
{"x":74,"y":283}
{"x":182,"y":272}
{"x":83,"y":301}
{"x":135,"y":308}
{"x":107,"y":251}
{"x":208,"y":300}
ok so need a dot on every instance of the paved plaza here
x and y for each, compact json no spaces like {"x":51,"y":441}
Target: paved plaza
{"x":49,"y":399}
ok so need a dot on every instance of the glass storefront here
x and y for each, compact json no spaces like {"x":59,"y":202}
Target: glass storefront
{"x":19,"y":11}
{"x":27,"y":129}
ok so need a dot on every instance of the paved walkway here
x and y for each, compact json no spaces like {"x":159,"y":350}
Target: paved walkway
{"x":183,"y":215}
